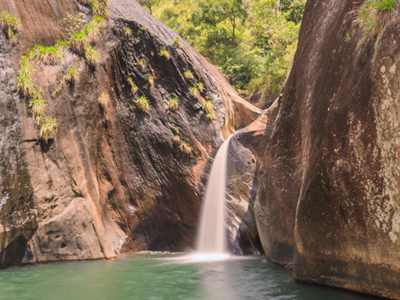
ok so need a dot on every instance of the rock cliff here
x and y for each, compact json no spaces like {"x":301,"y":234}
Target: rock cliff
{"x":328,"y":200}
{"x":112,"y":178}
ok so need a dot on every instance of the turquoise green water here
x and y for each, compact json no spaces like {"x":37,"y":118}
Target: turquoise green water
{"x":156,"y":277}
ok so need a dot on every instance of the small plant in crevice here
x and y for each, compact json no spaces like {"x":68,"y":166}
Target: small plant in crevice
{"x":200,"y":86}
{"x":38,"y":106}
{"x":141,"y":62}
{"x":144,"y":28}
{"x":103,"y":99}
{"x":165,"y":53}
{"x":173,"y":104}
{"x":211,"y":115}
{"x":189,"y":74}
{"x":92,"y":56}
{"x":100,"y":8}
{"x":49,"y":55}
{"x":185,"y":148}
{"x":10,"y":26}
{"x":78,"y":42}
{"x":175,"y":128}
{"x":208,"y":106}
{"x":48,"y":128}
{"x":72,"y":75}
{"x":137,"y":40}
{"x":177,"y":43}
{"x":127,"y":31}
{"x":92,"y":32}
{"x":177,"y":139}
{"x":373,"y":14}
{"x":151,"y":80}
{"x":25,"y":86}
{"x":134,"y":87}
{"x":194,"y":91}
{"x":143,"y":103}
{"x":99,"y":21}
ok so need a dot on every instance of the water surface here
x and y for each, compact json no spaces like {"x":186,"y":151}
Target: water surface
{"x":156,"y":276}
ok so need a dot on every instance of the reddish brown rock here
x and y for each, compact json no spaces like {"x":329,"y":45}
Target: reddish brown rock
{"x":328,"y":200}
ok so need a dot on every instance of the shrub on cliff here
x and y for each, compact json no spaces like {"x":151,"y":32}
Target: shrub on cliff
{"x":165,"y":53}
{"x":49,"y":55}
{"x":25,"y":86}
{"x":38,"y":106}
{"x":134,"y":87}
{"x":374,"y":14}
{"x":48,"y":128}
{"x":103,"y":99}
{"x":185,"y":148}
{"x":92,"y":56}
{"x":173,"y":104}
{"x":143,"y":103}
{"x":10,"y":26}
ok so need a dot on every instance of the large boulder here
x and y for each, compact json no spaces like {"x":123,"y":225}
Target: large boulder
{"x":112,"y":178}
{"x":328,"y":200}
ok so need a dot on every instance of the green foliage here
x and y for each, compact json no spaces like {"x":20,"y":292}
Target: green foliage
{"x":92,"y":56}
{"x":134,"y":87}
{"x":103,"y":99}
{"x":72,"y":75}
{"x":251,"y":42}
{"x":38,"y":106}
{"x":194,"y":91}
{"x":177,"y":43}
{"x":177,"y":139}
{"x":92,"y":32}
{"x":127,"y":31}
{"x":165,"y":53}
{"x":374,"y":14}
{"x":48,"y":128}
{"x":100,"y":8}
{"x":208,"y":106}
{"x":25,"y":86}
{"x":10,"y":26}
{"x":143,"y":103}
{"x":189,"y":74}
{"x":78,"y":42}
{"x":49,"y":55}
{"x":151,"y":80}
{"x":173,"y":104}
{"x":211,"y":115}
{"x":185,"y":148}
{"x":149,"y":4}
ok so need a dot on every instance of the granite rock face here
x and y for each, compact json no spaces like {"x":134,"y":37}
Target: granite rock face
{"x":328,"y":194}
{"x":112,"y":178}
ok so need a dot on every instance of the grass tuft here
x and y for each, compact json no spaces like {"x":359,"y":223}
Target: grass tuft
{"x":200,"y":86}
{"x":177,"y":43}
{"x":165,"y":53}
{"x":173,"y":104}
{"x":92,"y":32}
{"x":72,"y":75}
{"x":208,"y":106}
{"x":10,"y":26}
{"x":177,"y":139}
{"x":211,"y":115}
{"x":189,"y":74}
{"x":185,"y":148}
{"x":38,"y":106}
{"x":100,"y":8}
{"x":127,"y":31}
{"x":143,"y":103}
{"x":134,"y":87}
{"x":103,"y":99}
{"x":25,"y":86}
{"x":48,"y":128}
{"x":49,"y":55}
{"x":151,"y":80}
{"x":194,"y":91}
{"x":92,"y":56}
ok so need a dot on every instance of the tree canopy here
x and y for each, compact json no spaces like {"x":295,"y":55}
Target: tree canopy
{"x":251,"y":42}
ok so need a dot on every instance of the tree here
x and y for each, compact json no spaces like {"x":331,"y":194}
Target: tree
{"x":213,"y":12}
{"x":149,"y":4}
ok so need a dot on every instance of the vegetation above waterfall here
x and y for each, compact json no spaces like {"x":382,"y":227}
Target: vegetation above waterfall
{"x":251,"y":42}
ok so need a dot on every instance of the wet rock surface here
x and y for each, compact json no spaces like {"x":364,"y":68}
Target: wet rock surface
{"x":328,"y":200}
{"x":112,"y":179}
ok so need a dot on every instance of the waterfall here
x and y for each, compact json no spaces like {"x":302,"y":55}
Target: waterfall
{"x":212,"y":238}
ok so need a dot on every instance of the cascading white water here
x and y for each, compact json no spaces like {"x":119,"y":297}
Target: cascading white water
{"x":211,"y":238}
